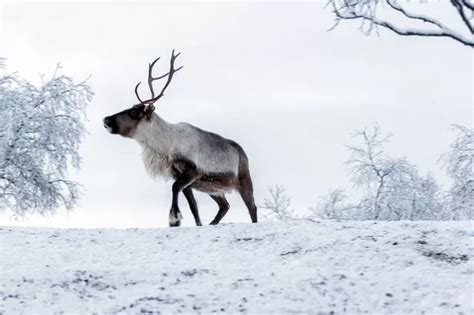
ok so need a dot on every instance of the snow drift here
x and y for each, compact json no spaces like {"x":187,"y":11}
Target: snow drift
{"x":294,"y":267}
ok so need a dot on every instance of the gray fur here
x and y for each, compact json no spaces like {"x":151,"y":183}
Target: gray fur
{"x":163,"y":143}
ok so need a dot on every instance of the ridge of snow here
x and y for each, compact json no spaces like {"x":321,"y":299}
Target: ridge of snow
{"x":300,"y":266}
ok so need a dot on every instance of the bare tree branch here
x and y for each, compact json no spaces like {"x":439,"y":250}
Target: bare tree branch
{"x":460,"y":8}
{"x":468,"y":4}
{"x":366,"y":12}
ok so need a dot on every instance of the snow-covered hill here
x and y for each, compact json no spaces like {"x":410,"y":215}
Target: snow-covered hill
{"x":300,"y":266}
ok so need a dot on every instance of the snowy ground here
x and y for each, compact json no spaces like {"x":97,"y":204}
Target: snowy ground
{"x":297,"y":267}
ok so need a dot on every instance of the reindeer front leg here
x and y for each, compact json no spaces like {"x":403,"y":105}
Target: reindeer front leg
{"x":187,"y":174}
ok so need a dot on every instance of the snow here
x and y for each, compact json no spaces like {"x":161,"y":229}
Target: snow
{"x":300,"y":266}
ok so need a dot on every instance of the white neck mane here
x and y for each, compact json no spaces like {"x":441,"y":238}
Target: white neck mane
{"x":155,"y":133}
{"x":155,"y":136}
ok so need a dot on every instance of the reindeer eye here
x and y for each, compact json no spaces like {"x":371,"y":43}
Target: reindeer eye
{"x":134,"y":112}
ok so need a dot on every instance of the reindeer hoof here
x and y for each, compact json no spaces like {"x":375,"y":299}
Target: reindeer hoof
{"x":175,"y":219}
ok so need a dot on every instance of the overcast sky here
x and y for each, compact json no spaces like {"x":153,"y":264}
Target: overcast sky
{"x":267,"y":75}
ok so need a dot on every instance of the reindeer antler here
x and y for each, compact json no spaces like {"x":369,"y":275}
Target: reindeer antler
{"x":170,"y":74}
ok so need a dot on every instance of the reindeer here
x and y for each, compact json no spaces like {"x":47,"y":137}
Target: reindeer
{"x":194,"y":158}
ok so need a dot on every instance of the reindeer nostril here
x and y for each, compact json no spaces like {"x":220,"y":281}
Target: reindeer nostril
{"x":107,"y":121}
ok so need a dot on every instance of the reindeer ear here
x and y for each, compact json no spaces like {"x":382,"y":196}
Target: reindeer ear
{"x":149,"y":111}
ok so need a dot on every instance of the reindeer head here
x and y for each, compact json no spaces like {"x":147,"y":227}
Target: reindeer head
{"x":125,"y":122}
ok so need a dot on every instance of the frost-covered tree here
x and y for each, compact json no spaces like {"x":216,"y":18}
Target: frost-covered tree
{"x":41,"y":128}
{"x":407,"y":18}
{"x":427,"y":200}
{"x":458,"y":162}
{"x":409,"y":196}
{"x":334,"y":206}
{"x":369,"y":169}
{"x":277,"y":205}
{"x":392,"y":188}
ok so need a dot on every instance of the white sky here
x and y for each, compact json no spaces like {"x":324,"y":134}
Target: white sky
{"x":267,"y":75}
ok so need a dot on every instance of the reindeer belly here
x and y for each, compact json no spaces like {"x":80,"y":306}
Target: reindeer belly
{"x":211,"y":183}
{"x":216,"y":184}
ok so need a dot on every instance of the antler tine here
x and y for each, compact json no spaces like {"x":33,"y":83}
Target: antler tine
{"x":150,"y":77}
{"x":166,"y":74}
{"x":136,"y":92}
{"x":153,"y":63}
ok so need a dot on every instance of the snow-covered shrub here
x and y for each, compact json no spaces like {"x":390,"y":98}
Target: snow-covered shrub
{"x":277,"y":205}
{"x":40,"y":131}
{"x":334,"y":206}
{"x":391,"y":188}
{"x":458,"y":163}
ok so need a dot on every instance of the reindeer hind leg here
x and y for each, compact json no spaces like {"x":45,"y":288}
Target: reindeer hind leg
{"x":246,"y":192}
{"x":223,"y":208}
